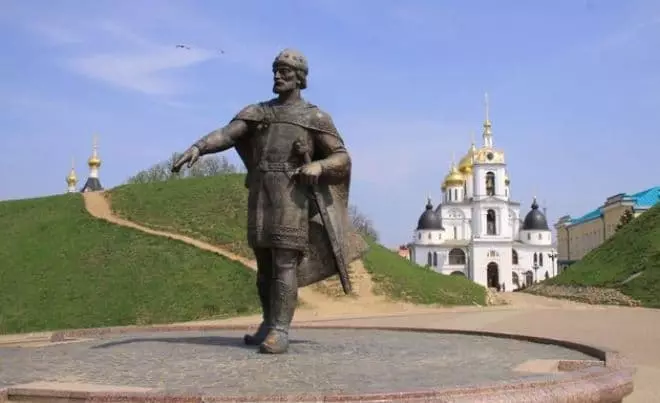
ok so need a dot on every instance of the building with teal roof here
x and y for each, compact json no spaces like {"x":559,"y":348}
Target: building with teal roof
{"x":577,"y":236}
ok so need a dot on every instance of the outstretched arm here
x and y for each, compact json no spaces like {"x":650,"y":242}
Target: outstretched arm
{"x":222,"y":139}
{"x":216,"y":141}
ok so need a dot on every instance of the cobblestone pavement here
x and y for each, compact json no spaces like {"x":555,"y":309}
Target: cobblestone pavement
{"x":328,"y":360}
{"x":632,"y":331}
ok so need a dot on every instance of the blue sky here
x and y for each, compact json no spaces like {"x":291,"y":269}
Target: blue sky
{"x":574,"y":87}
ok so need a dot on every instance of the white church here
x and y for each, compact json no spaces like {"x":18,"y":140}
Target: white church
{"x":477,"y":230}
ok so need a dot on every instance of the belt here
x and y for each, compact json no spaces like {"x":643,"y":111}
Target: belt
{"x":267,"y":166}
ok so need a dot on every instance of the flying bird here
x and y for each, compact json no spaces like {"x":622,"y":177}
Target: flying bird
{"x":188,"y":48}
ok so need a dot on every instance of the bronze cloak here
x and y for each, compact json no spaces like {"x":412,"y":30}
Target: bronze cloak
{"x":318,"y":262}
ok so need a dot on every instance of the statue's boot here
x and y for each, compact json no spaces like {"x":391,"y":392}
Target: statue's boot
{"x":284,"y":300}
{"x":264,"y":279}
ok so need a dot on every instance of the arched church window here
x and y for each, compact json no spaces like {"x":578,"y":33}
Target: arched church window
{"x":514,"y":256}
{"x":456,"y":256}
{"x":429,"y":259}
{"x":455,"y":194}
{"x":491,"y":228}
{"x":435,"y":259}
{"x":536,"y":258}
{"x":455,"y":233}
{"x":490,"y":184}
{"x":540,"y":259}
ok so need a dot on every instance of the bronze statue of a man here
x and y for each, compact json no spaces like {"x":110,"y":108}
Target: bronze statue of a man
{"x":298,"y":196}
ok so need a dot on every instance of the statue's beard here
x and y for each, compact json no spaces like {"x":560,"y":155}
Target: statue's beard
{"x":284,"y":87}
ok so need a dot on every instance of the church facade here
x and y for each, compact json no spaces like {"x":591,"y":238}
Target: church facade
{"x":477,"y":231}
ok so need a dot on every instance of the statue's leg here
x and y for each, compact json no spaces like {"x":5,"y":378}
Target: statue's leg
{"x":264,"y":258}
{"x":284,"y":299}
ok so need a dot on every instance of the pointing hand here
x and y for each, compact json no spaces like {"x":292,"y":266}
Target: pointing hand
{"x":190,"y":156}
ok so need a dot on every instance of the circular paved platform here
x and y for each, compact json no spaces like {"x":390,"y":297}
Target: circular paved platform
{"x":320,"y":361}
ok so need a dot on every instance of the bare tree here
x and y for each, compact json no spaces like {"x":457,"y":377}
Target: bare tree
{"x":208,"y":165}
{"x":362,"y":223}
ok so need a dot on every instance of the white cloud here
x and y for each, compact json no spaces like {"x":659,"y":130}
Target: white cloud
{"x":131,"y":51}
{"x":57,"y":35}
{"x":117,"y":54}
{"x":140,"y":64}
{"x":144,"y":70}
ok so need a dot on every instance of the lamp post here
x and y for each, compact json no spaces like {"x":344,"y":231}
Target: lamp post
{"x":553,"y":255}
{"x":468,"y":257}
{"x":468,"y":263}
{"x":536,"y":276}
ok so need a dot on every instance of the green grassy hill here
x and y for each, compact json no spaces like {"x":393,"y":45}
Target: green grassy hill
{"x":633,"y":249}
{"x":396,"y":277}
{"x":62,"y":268}
{"x":213,"y":209}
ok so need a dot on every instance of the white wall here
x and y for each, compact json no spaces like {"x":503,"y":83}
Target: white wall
{"x":479,"y":179}
{"x":541,"y":238}
{"x":526,"y":260}
{"x":504,"y":229}
{"x":429,"y":237}
{"x":454,"y":194}
{"x":482,"y":257}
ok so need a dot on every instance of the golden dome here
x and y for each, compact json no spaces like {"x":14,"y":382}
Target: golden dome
{"x":72,"y":179}
{"x":465,"y":165}
{"x":94,"y":161}
{"x":454,"y":178}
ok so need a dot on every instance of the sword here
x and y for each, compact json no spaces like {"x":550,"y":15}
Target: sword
{"x":317,"y":198}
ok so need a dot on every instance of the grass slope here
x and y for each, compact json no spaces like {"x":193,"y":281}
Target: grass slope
{"x":633,"y":249}
{"x":398,"y":278}
{"x":61,"y":268}
{"x":213,"y":209}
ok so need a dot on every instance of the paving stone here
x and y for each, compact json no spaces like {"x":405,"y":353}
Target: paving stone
{"x":319,"y":360}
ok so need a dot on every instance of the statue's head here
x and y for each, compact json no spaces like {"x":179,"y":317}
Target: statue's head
{"x":289,"y":71}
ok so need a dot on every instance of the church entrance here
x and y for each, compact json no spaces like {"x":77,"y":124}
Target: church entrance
{"x":493,"y":275}
{"x":529,"y":278}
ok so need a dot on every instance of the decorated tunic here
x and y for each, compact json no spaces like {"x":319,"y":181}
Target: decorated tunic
{"x":279,"y":208}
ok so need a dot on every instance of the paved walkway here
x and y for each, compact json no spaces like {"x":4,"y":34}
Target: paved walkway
{"x":635,"y":332}
{"x":327,"y":361}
